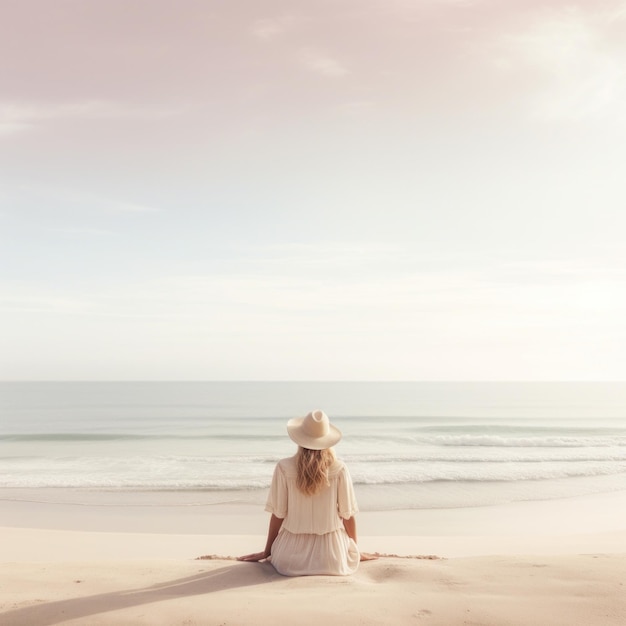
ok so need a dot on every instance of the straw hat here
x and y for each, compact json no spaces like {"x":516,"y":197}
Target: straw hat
{"x":314,"y":431}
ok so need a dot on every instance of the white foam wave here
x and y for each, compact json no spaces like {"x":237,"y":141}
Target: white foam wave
{"x":487,"y":472}
{"x":467,"y":440}
{"x":223,"y":473}
{"x":492,"y":455}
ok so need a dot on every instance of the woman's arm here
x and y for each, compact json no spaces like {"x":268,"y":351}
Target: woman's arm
{"x":272,"y":533}
{"x":350,"y":526}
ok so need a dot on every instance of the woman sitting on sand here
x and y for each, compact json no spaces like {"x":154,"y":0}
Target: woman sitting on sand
{"x":312,"y":529}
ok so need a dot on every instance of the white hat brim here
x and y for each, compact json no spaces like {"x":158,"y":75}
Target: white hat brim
{"x":294,"y":428}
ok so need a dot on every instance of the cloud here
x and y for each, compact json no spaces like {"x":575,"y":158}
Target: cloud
{"x":323,"y":261}
{"x":20,"y":301}
{"x":357,"y":107}
{"x":580,"y":69}
{"x":270,"y":28}
{"x":341,"y":299}
{"x":17,"y":117}
{"x":296,"y":297}
{"x":562,"y":270}
{"x":10,"y":128}
{"x":79,"y":231}
{"x":412,"y":6}
{"x":132,"y":207}
{"x":618,"y":13}
{"x":322,"y":64}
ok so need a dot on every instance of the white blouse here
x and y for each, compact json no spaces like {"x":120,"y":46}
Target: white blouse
{"x":318,"y":514}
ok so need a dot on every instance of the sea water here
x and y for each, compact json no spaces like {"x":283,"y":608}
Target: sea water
{"x":407,"y":445}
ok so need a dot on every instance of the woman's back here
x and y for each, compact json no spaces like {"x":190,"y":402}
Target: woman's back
{"x":319,"y":513}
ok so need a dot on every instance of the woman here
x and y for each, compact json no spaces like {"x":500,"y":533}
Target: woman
{"x":312,"y":529}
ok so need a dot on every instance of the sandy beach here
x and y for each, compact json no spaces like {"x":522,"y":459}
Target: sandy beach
{"x":511,"y":565}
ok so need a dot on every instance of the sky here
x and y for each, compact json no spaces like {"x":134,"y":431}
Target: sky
{"x":312,"y":190}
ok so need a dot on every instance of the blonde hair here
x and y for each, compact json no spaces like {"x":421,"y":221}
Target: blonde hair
{"x":313,"y":469}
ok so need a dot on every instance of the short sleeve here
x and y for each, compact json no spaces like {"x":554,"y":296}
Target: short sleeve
{"x":346,"y":500}
{"x":277,"y":497}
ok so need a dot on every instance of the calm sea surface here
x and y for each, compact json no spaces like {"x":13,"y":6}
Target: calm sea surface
{"x":407,"y":445}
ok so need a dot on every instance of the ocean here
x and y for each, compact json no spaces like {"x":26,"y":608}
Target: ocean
{"x":407,"y":445}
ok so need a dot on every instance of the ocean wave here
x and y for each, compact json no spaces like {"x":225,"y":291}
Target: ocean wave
{"x":104,"y":437}
{"x":539,"y":472}
{"x":198,"y":473}
{"x":445,"y":440}
{"x":60,"y":437}
{"x":564,"y":441}
{"x":421,"y":457}
{"x":532,"y":456}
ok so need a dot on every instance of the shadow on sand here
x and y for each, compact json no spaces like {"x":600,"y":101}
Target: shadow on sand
{"x":229,"y":577}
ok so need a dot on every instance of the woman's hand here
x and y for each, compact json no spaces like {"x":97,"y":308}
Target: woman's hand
{"x":272,"y":533}
{"x":254,"y":558}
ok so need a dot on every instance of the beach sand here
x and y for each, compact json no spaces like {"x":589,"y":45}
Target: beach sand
{"x":556,"y":563}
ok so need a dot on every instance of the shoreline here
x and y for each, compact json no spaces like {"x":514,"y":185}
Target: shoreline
{"x":165,"y":513}
{"x":580,"y":525}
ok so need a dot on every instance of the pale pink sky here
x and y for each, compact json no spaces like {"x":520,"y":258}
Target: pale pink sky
{"x":421,"y":189}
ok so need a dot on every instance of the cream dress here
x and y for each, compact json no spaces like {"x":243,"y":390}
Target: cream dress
{"x":312,"y":539}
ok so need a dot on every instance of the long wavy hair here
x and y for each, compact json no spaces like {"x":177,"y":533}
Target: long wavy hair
{"x":313,"y":469}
